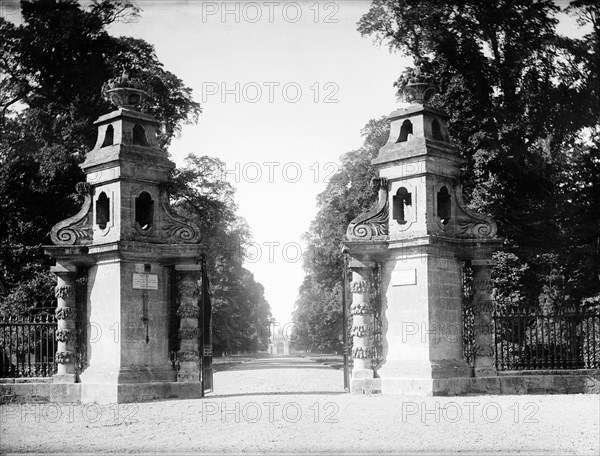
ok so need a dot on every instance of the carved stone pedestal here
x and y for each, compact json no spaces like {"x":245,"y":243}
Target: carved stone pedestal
{"x":483,"y":309}
{"x":362,"y":314}
{"x":188,"y":312}
{"x":65,"y":316}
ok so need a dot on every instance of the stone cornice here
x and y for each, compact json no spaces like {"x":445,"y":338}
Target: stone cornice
{"x":417,"y":148}
{"x":126,"y":250}
{"x":126,"y":113}
{"x":413,"y":110}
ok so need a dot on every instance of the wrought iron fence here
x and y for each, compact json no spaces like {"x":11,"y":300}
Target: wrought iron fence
{"x":377,"y":329}
{"x":27,"y":346}
{"x":468,"y":316}
{"x":529,"y":339}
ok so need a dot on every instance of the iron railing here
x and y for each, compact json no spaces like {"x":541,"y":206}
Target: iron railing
{"x":27,"y":346}
{"x":529,"y":339}
{"x":468,"y":317}
{"x":377,"y":325}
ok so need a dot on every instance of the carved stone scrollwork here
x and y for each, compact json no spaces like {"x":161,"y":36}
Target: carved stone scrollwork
{"x":65,"y":313}
{"x":184,"y":356}
{"x":372,"y":224}
{"x":177,"y":229}
{"x":483,"y":350}
{"x":362,"y":352}
{"x":185,"y":376}
{"x":188,"y":289}
{"x":63,"y":291}
{"x":64,"y":335}
{"x":188,"y":311}
{"x":76,"y":230}
{"x":189,"y":333}
{"x":483,"y":306}
{"x":361,"y":286}
{"x":64,"y":357}
{"x":482,"y":285}
{"x":360,"y":308}
{"x":359,"y":331}
{"x":483,"y":328}
{"x":469,"y":224}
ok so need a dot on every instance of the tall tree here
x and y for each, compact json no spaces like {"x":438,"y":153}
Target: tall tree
{"x":240,"y":310}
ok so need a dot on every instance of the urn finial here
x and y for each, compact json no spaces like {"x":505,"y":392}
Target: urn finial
{"x":124,"y":92}
{"x":416,"y":86}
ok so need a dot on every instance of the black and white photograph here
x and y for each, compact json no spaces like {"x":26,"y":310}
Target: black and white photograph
{"x":300,"y":227}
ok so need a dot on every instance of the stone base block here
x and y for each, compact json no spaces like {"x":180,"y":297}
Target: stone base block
{"x":139,"y":392}
{"x":485,"y":371}
{"x":362,"y":373}
{"x":39,"y":392}
{"x":63,"y":378}
{"x":366,"y":386}
{"x":580,"y":383}
{"x":447,"y":368}
{"x":407,"y":386}
{"x":147,"y":374}
{"x":99,"y":393}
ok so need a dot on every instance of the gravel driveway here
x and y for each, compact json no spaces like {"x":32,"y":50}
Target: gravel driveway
{"x":288,"y":404}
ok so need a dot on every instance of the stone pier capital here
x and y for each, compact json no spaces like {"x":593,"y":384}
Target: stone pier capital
{"x":357,"y":264}
{"x":63,"y":268}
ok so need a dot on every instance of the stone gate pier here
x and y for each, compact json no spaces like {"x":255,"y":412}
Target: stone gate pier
{"x":139,"y":266}
{"x":417,"y":240}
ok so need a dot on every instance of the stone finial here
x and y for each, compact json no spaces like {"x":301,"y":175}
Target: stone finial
{"x":124,"y":92}
{"x":416,"y":86}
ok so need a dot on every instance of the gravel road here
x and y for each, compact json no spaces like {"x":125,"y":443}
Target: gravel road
{"x":288,"y":404}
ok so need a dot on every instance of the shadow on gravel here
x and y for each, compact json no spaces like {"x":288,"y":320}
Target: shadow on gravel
{"x":266,"y":366}
{"x":280,"y":393}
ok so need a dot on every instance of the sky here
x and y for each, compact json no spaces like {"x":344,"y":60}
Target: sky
{"x":285,"y":88}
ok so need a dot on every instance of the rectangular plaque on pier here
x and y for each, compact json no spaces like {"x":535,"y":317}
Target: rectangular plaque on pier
{"x":145,"y":281}
{"x":404,"y":277}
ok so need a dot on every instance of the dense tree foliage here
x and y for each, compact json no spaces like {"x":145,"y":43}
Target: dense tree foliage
{"x":52,"y":68}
